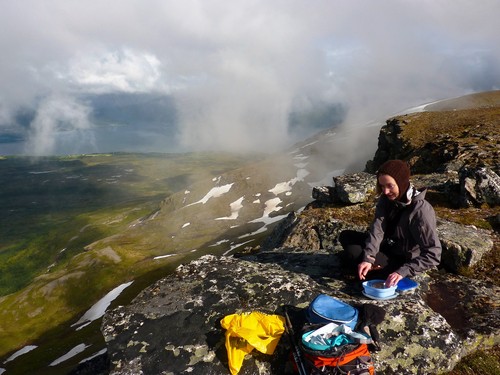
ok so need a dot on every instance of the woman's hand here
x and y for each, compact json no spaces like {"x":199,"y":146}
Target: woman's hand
{"x":393,"y":279}
{"x":363,"y":269}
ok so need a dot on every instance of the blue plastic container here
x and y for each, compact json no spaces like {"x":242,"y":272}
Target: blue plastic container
{"x":406,"y":285}
{"x":377,"y":289}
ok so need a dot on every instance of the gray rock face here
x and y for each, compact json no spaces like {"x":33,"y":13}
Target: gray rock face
{"x":478,"y":186}
{"x":324,"y":194}
{"x":348,"y":189}
{"x":173,"y":327}
{"x":463,"y":246}
{"x":353,"y":188}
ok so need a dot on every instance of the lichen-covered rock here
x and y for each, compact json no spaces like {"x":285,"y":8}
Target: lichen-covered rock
{"x":354,"y":188}
{"x":314,"y":233}
{"x":432,"y":142}
{"x":478,"y":186}
{"x":324,"y":194}
{"x":469,"y":306}
{"x":463,"y":246}
{"x":348,"y":189}
{"x":417,"y":339}
{"x":173,"y":327}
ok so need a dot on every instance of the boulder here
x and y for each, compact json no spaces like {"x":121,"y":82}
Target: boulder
{"x":350,"y":188}
{"x":325,"y":194}
{"x":173,"y":326}
{"x":355,"y":187}
{"x":479,"y":185}
{"x":463,"y":246}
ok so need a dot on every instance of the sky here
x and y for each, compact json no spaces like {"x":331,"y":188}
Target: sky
{"x":232,"y":71}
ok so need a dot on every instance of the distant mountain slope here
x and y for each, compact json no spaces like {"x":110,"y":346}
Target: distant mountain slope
{"x":477,"y":100}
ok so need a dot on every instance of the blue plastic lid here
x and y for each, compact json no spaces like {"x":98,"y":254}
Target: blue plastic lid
{"x":406,"y":284}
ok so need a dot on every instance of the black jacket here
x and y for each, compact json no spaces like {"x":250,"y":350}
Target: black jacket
{"x":414,"y":235}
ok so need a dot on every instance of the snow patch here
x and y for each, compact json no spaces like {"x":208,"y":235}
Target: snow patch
{"x":100,"y":352}
{"x":164,"y":256}
{"x":301,"y":165}
{"x":236,"y":206}
{"x":76,"y":350}
{"x":214,"y":193}
{"x":186,"y":225}
{"x":271,"y":206}
{"x":218,"y":243}
{"x":99,"y":308}
{"x":282,"y":187}
{"x":43,"y":172}
{"x":235,"y":247}
{"x":286,"y":186}
{"x":26,"y":349}
{"x":300,"y":157}
{"x":268,"y":221}
{"x":309,"y":144}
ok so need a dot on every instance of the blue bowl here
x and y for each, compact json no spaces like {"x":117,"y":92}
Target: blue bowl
{"x":377,"y":289}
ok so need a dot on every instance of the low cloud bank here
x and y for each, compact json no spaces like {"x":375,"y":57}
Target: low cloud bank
{"x":253,"y":75}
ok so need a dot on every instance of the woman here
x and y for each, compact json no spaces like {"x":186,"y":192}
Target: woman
{"x":402,"y":240}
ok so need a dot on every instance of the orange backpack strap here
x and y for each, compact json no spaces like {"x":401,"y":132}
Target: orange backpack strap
{"x":356,"y":361}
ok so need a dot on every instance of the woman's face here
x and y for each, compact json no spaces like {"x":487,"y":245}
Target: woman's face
{"x":388,"y":186}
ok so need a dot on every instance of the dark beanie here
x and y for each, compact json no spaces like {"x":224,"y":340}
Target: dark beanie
{"x":400,"y":171}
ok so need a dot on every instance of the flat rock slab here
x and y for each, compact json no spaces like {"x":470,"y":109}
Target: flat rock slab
{"x":173,"y":326}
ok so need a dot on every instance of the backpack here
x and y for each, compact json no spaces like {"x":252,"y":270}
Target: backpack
{"x":352,"y":359}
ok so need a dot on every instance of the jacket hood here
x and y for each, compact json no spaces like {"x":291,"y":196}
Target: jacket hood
{"x":412,"y":194}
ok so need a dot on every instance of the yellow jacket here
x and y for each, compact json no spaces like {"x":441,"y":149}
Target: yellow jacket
{"x":247,"y":331}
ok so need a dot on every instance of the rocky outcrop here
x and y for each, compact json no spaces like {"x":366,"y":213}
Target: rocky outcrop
{"x":463,"y":246}
{"x":348,"y":189}
{"x":173,"y":326}
{"x":436,"y":141}
{"x":479,"y":186}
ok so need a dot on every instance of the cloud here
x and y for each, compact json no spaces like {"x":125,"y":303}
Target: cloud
{"x":59,"y":119}
{"x":123,"y":70}
{"x":236,"y":70}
